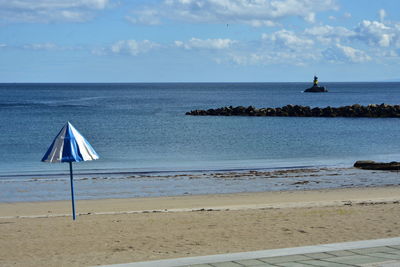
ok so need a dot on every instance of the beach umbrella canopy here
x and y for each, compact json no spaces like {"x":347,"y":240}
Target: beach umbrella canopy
{"x":70,"y":146}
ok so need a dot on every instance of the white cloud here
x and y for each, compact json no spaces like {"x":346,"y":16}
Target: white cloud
{"x":53,"y":4}
{"x":196,"y":43}
{"x":41,"y":46}
{"x":310,"y":17}
{"x":341,"y":53}
{"x":288,"y":39}
{"x":369,"y":40}
{"x":280,"y":47}
{"x":382,"y":15}
{"x":327,"y":30}
{"x":48,"y":46}
{"x":43,"y":11}
{"x":272,"y":57}
{"x":327,"y":34}
{"x":255,"y":13}
{"x":146,"y":16}
{"x":347,"y":15}
{"x":249,"y":59}
{"x":131,"y":47}
{"x":375,"y":33}
{"x":261,"y":23}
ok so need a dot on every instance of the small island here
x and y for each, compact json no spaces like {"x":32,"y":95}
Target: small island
{"x":316,"y":88}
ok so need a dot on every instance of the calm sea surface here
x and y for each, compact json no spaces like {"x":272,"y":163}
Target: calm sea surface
{"x":143,"y":128}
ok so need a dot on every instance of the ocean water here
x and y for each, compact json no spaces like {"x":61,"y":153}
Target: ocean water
{"x":140,"y":128}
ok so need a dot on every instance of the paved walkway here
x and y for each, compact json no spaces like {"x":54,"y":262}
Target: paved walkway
{"x":369,"y":253}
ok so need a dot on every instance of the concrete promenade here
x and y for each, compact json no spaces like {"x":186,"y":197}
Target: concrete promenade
{"x":368,"y":253}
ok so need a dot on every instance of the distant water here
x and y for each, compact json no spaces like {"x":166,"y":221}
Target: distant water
{"x":143,"y":127}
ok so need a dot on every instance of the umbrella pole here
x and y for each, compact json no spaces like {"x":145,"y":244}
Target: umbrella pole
{"x":72,"y":190}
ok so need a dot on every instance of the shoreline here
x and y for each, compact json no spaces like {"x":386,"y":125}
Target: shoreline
{"x":161,"y":171}
{"x":115,"y":231}
{"x":235,"y":165}
{"x":205,"y":168}
{"x":39,"y":189}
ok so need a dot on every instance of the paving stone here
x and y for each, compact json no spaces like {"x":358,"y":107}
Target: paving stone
{"x":395,"y":252}
{"x":321,"y":255}
{"x":322,"y":263}
{"x":274,"y":260}
{"x":254,"y":262}
{"x":341,"y":253}
{"x":262,"y":265}
{"x":293,"y":264}
{"x":226,"y":264}
{"x":385,"y":255}
{"x":382,"y":264}
{"x":367,"y":251}
{"x":355,"y":259}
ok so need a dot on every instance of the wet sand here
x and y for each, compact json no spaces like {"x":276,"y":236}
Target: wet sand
{"x":126,"y":230}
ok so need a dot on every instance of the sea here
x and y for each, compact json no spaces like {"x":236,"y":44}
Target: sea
{"x":144,"y":138}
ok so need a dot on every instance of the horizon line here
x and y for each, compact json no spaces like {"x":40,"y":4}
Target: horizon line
{"x":182,"y":82}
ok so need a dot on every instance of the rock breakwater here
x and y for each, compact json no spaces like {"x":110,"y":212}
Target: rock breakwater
{"x":356,"y":110}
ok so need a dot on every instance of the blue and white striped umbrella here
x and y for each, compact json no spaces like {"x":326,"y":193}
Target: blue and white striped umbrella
{"x":69,"y":146}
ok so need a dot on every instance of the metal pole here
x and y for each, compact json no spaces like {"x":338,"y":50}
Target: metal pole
{"x":72,"y":190}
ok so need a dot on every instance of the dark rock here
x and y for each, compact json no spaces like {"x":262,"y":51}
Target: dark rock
{"x":372,"y":165}
{"x":316,"y":89}
{"x":316,"y":112}
{"x":301,"y":182}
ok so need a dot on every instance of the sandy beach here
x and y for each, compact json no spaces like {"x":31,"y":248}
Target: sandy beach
{"x":126,"y":230}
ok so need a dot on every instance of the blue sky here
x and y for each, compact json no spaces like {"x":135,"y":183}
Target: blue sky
{"x":199,"y":40}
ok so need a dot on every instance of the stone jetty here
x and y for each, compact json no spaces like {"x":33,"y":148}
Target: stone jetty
{"x":356,"y":110}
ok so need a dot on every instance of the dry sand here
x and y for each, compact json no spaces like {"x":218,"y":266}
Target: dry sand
{"x":127,"y":230}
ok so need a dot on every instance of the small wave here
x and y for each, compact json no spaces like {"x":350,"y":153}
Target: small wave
{"x":111,"y":174}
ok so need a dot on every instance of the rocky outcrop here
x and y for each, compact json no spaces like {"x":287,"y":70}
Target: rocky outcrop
{"x":372,"y":111}
{"x":316,"y":89}
{"x":372,"y":165}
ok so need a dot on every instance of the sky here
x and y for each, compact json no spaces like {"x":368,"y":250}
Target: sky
{"x":199,"y":40}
